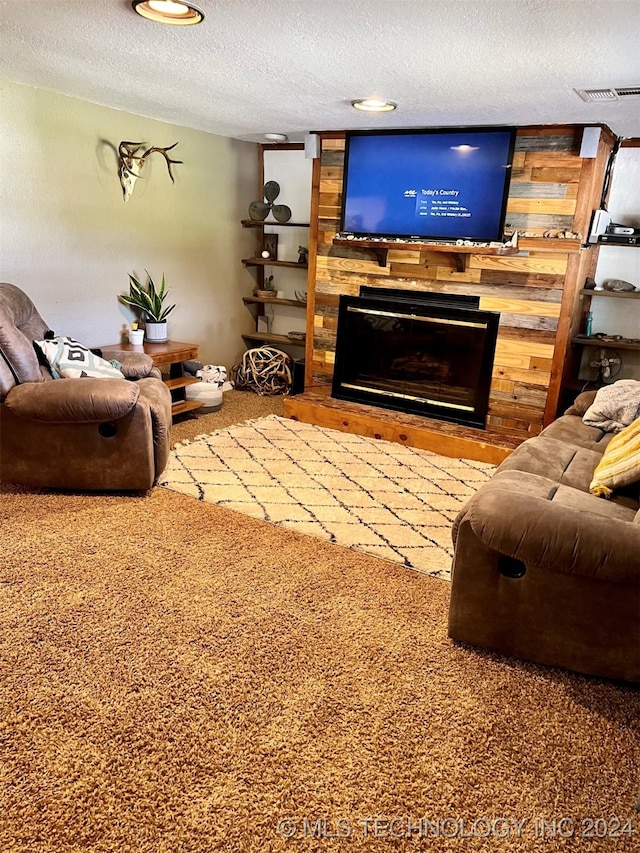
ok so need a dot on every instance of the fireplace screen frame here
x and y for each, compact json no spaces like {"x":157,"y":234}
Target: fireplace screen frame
{"x":415,"y":308}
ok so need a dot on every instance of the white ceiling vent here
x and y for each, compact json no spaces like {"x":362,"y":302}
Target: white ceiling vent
{"x":608,"y":94}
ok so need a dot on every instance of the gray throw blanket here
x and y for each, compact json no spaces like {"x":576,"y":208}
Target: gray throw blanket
{"x":615,"y":406}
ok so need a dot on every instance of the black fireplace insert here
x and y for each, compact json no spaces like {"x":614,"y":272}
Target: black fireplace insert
{"x":421,"y":353}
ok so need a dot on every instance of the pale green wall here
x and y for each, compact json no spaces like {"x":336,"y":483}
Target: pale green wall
{"x":69,"y":240}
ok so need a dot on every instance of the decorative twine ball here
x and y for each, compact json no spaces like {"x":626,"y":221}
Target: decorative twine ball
{"x":265,"y":370}
{"x":266,"y":253}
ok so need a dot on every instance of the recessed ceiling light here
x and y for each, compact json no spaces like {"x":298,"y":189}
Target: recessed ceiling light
{"x":276,"y":137}
{"x":168,"y":12}
{"x":373,"y":105}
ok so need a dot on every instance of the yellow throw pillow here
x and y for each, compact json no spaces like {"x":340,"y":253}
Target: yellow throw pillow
{"x":620,"y":463}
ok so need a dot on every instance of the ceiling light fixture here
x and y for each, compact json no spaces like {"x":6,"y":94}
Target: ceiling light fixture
{"x":373,"y":105}
{"x":276,"y":137}
{"x":168,"y":12}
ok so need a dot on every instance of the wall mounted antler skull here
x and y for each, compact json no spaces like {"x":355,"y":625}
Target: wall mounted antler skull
{"x":131,"y":162}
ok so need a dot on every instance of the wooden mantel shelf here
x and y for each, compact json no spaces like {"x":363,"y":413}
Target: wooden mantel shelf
{"x":381,"y":249}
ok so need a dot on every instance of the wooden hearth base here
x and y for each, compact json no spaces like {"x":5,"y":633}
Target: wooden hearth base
{"x":316,"y":407}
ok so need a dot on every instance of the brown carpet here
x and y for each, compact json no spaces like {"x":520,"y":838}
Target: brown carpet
{"x":178,"y":678}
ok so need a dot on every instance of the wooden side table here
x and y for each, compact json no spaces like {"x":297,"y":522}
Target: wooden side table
{"x":168,"y":357}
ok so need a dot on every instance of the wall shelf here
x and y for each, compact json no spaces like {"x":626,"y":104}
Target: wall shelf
{"x":616,"y":294}
{"x":254,"y":223}
{"x":268,"y":338}
{"x":256,"y":300}
{"x":269,"y":262}
{"x":260,"y":302}
{"x":609,"y":342}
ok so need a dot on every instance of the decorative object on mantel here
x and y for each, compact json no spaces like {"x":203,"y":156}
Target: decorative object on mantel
{"x":131,"y":163}
{"x":281,"y":212}
{"x":555,"y":235}
{"x":149,"y":305}
{"x":265,"y":370}
{"x":301,"y":295}
{"x":607,"y":362}
{"x":270,"y":246}
{"x":303,"y":254}
{"x":268,"y":291}
{"x":259,"y":210}
{"x":619,"y":285}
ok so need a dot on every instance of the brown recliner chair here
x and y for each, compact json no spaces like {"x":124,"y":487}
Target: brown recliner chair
{"x":88,"y":434}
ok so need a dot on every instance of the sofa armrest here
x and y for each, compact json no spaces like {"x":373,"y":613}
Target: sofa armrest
{"x":540,"y":531}
{"x":157,"y":396}
{"x":73,"y":400}
{"x":134,"y":365}
{"x":581,"y":403}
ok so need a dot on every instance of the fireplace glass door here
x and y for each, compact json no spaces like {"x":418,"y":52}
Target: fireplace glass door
{"x":418,"y":358}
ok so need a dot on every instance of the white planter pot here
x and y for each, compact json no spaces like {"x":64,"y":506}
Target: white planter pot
{"x":156,"y":333}
{"x":136,"y":336}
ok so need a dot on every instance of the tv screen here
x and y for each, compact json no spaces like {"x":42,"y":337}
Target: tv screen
{"x":435,"y":184}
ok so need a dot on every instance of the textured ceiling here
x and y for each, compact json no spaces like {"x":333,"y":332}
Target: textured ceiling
{"x":292,"y":66}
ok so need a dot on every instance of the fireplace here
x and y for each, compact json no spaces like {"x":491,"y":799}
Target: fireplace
{"x":422,"y":353}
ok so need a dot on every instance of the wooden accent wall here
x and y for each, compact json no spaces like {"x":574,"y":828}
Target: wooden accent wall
{"x":535,"y":291}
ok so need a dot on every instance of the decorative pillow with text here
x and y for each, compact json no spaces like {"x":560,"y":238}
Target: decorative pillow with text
{"x":69,"y":359}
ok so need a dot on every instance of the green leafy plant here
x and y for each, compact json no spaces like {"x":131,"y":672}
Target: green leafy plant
{"x":268,"y":283}
{"x":147,"y":301}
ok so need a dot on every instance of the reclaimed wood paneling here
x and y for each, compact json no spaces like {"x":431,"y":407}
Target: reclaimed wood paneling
{"x":527,"y":289}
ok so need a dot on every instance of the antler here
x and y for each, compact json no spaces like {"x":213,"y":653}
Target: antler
{"x":132,"y":161}
{"x":127,"y":152}
{"x":163,"y":151}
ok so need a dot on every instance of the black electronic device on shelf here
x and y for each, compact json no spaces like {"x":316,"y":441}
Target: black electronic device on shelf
{"x":621,"y":236}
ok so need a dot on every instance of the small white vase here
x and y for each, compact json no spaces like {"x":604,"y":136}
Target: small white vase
{"x":136,"y":336}
{"x":156,"y":333}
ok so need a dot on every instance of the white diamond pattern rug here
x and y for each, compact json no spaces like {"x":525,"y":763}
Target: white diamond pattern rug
{"x":385,"y":499}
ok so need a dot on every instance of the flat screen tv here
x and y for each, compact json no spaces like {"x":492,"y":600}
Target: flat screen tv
{"x":440,"y":184}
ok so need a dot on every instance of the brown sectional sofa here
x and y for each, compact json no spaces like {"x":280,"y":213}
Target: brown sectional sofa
{"x":545,"y":571}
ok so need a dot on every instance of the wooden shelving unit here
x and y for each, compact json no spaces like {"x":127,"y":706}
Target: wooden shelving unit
{"x":610,"y":340}
{"x":260,"y":264}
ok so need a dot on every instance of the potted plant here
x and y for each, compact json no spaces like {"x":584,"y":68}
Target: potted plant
{"x":268,"y":290}
{"x":148,"y":302}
